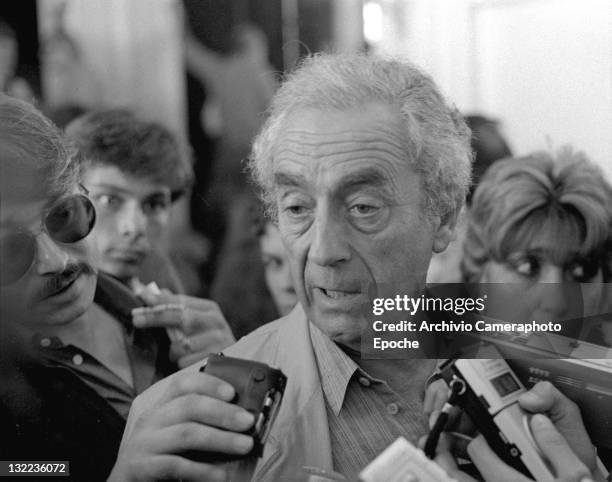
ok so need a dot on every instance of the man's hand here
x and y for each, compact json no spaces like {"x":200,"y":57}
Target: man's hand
{"x":188,"y":410}
{"x":196,"y":326}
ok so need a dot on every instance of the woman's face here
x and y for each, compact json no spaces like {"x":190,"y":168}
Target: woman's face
{"x":544,"y":282}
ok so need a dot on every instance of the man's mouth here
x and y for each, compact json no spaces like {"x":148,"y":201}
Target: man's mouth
{"x":62,"y":284}
{"x":338,"y":294}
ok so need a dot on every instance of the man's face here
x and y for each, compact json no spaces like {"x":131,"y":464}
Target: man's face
{"x":277,"y":269}
{"x":350,"y":214}
{"x":132,"y":215}
{"x":60,"y":283}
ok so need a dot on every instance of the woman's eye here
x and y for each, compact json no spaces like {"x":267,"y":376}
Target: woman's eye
{"x":528,"y":267}
{"x":582,"y":272}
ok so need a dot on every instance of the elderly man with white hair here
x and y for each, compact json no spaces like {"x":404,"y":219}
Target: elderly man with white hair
{"x":364,"y":166}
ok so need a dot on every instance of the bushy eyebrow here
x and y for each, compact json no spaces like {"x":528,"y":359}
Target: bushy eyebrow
{"x":370,"y":177}
{"x":283,"y":179}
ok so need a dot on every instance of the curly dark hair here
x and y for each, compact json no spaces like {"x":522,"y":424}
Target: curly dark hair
{"x":141,"y":148}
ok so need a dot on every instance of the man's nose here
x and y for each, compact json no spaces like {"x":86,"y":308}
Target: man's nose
{"x":132,"y":220}
{"x":329,"y":244}
{"x":51,"y":258}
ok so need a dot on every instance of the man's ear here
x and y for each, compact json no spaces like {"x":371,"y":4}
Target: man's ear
{"x":445,"y":231}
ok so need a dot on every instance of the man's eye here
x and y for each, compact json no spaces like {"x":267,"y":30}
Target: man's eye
{"x":154,"y":206}
{"x":296,"y":210}
{"x":363,"y":209}
{"x":108,"y":201}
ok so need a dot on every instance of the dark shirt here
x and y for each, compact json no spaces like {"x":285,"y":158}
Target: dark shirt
{"x":55,"y":409}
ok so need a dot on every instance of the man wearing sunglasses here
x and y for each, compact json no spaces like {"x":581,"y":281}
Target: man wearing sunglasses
{"x":53,"y":400}
{"x":72,"y":354}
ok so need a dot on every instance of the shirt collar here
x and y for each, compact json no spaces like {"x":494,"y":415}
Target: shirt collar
{"x":335,"y":368}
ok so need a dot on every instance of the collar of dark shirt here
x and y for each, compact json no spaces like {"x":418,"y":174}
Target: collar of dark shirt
{"x":111,"y":295}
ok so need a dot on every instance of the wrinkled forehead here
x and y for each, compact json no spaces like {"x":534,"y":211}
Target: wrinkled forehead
{"x":333,"y":145}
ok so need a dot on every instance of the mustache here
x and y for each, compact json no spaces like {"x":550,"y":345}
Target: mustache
{"x":55,"y":283}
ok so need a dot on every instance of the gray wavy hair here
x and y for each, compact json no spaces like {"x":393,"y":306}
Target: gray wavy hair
{"x":437,"y":138}
{"x":517,"y":197}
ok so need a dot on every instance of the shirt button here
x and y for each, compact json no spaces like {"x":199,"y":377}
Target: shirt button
{"x":364,"y":381}
{"x":392,"y":409}
{"x":45,"y":342}
{"x":77,"y":359}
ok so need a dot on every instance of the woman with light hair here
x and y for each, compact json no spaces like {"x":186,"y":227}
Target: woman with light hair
{"x":539,"y":223}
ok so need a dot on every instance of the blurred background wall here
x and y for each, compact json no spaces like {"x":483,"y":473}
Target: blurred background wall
{"x":541,"y":67}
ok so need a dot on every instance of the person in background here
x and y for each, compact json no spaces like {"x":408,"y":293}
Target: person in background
{"x":134,"y":170}
{"x":539,"y":223}
{"x":71,"y":361}
{"x":241,"y":253}
{"x":488,"y":145}
{"x":74,"y":350}
{"x":538,"y":226}
{"x":276,"y":267}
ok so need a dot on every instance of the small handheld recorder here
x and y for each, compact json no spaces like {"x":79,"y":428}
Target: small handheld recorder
{"x":488,"y":393}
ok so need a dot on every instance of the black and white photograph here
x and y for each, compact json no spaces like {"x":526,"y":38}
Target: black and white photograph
{"x":306,"y":240}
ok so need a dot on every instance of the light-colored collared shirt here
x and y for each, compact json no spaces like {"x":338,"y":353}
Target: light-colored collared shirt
{"x":327,"y":420}
{"x":365,"y":413}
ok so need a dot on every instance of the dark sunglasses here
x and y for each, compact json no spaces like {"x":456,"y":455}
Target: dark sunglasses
{"x":67,"y":221}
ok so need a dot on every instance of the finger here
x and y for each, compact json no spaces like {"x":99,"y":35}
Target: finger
{"x":159,"y":316}
{"x":436,"y":396}
{"x":184,"y":383}
{"x":546,"y":398}
{"x":198,"y":304}
{"x":556,"y":450}
{"x":188,"y":360}
{"x":212,"y":341}
{"x":196,"y":321}
{"x":173,"y":315}
{"x":205,"y":410}
{"x":204,"y":438}
{"x":174,"y":467}
{"x":198,"y":347}
{"x":433,"y":418}
{"x":490,"y":465}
